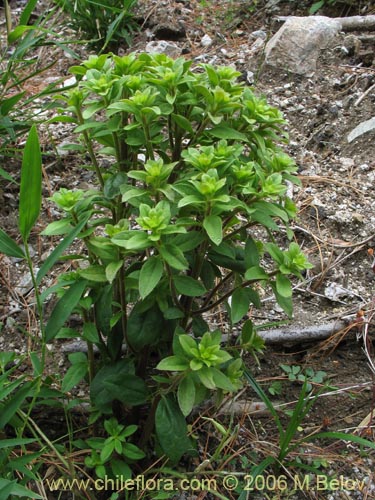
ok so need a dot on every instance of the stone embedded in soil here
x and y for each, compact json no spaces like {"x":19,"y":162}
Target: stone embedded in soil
{"x":163,"y":47}
{"x":297,"y":44}
{"x":25,"y":284}
{"x":362,"y":128}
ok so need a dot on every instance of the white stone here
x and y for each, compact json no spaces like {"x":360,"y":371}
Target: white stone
{"x":206,"y":41}
{"x":163,"y":47}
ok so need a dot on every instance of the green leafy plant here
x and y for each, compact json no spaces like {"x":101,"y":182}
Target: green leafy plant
{"x":110,"y":456}
{"x":275,"y":389}
{"x":195,"y":169}
{"x":184,"y":219}
{"x":290,"y":438}
{"x":310,"y":376}
{"x":103,"y":23}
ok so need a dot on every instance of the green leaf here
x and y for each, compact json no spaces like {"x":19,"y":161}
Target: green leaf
{"x":12,"y":488}
{"x":173,"y":313}
{"x":94,"y":273}
{"x":275,"y":252}
{"x":186,"y":285}
{"x":239,"y":305}
{"x":6,"y":105}
{"x":132,"y":451}
{"x":316,"y":6}
{"x":139,"y":241}
{"x":251,"y":253}
{"x":222,"y":381}
{"x":186,"y":395}
{"x":90,"y":333}
{"x":14,"y":402}
{"x":112,"y":269}
{"x":113,"y":184}
{"x":256,"y":273}
{"x":64,"y":308}
{"x":228,"y":133}
{"x":103,"y":310}
{"x":117,"y":382}
{"x":13,"y":442}
{"x":188,"y":344}
{"x":18,"y":32}
{"x":188,"y":241}
{"x":283,"y":286}
{"x":173,"y":364}
{"x":57,"y":228}
{"x":31,"y":184}
{"x":284,"y":302}
{"x":174,"y":257}
{"x":352,"y":438}
{"x":205,"y":375}
{"x":76,"y":372}
{"x":145,"y":327}
{"x":214,"y":228}
{"x":121,"y":468}
{"x":10,"y":247}
{"x":183,"y":123}
{"x":171,"y":429}
{"x":150,"y":275}
{"x":7,"y":176}
{"x":37,"y":363}
{"x":265,"y":220}
{"x":59,"y":250}
{"x":27,"y":11}
{"x":190,"y":199}
{"x":228,"y":257}
{"x":267,"y":208}
{"x":107,"y":450}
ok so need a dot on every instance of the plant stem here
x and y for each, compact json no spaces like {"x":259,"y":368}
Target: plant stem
{"x":149,"y":148}
{"x":150,"y":422}
{"x":188,"y":301}
{"x":90,"y":149}
{"x":43,"y":336}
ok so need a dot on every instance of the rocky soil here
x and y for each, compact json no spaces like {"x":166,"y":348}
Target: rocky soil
{"x":336,"y":222}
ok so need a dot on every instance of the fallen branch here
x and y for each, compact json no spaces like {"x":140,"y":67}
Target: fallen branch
{"x":291,"y":333}
{"x":360,"y":99}
{"x":295,"y":333}
{"x":357,"y":23}
{"x":351,"y":23}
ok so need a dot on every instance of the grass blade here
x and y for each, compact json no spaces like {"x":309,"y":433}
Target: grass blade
{"x":27,"y":11}
{"x":263,"y":396}
{"x":64,"y":308}
{"x":6,"y":176}
{"x":340,"y":436}
{"x":58,"y":251}
{"x":31,"y":184}
{"x":10,"y":247}
{"x":10,"y":407}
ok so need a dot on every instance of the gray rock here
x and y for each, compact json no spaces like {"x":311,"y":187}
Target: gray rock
{"x":297,"y":44}
{"x":361,"y":129}
{"x":163,"y":47}
{"x":26,"y":283}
